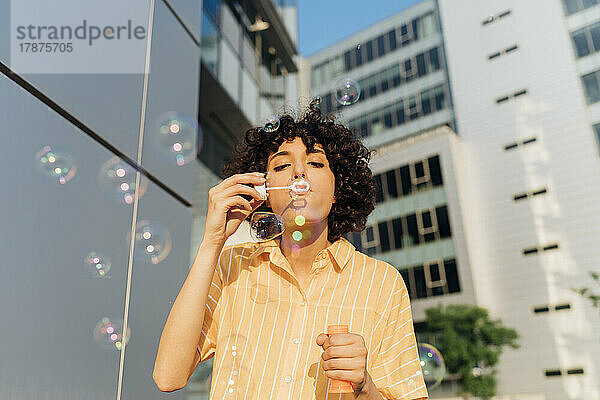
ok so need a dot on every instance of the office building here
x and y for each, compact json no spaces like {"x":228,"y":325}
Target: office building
{"x":488,"y":170}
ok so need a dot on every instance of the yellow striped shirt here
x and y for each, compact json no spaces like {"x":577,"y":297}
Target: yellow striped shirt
{"x":261,"y":326}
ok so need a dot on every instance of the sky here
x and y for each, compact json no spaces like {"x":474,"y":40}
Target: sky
{"x":322,"y":23}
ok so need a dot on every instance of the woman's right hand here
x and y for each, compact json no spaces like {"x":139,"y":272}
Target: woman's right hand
{"x":227,"y":209}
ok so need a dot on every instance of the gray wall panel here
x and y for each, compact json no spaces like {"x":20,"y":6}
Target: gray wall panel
{"x":48,"y":302}
{"x":173,"y":86}
{"x":154,"y":287}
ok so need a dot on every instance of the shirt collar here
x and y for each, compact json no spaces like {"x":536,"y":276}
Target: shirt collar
{"x":340,"y":251}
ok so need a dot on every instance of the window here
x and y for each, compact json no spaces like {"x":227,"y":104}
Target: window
{"x":420,"y":283}
{"x":427,"y":225}
{"x":412,"y":230}
{"x":520,"y":93}
{"x":435,"y":282}
{"x":591,"y":83}
{"x":416,"y":25}
{"x":400,"y":117}
{"x":384,"y":238}
{"x":347,"y":61}
{"x":413,"y":107}
{"x":575,"y":371}
{"x":404,"y":38}
{"x":380,"y":46}
{"x":597,"y":130}
{"x":385,"y":85}
{"x":443,"y":222}
{"x":574,"y":6}
{"x":370,"y":234}
{"x":356,"y":240}
{"x":376,"y":124}
{"x":595,"y":36}
{"x":328,"y":101}
{"x":395,"y":75}
{"x":434,"y":278}
{"x":371,"y":86}
{"x":428,"y":24}
{"x":370,"y":240}
{"x":581,"y":43}
{"x":392,"y":189}
{"x":451,"y":276}
{"x":434,"y":60}
{"x":493,"y":17}
{"x":397,"y":230}
{"x":387,"y":117}
{"x":586,"y":40}
{"x":379,"y":192}
{"x":408,"y":70}
{"x":426,"y":101}
{"x":369,"y":50}
{"x":440,"y":100}
{"x":406,"y":278}
{"x":421,"y":68}
{"x":358,"y":56}
{"x":392,"y":39}
{"x":406,"y":180}
{"x":435,"y":171}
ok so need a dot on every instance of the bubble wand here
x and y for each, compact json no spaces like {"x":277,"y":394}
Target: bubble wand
{"x":300,"y":186}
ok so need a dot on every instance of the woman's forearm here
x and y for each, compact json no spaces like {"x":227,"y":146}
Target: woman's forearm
{"x":182,"y":330}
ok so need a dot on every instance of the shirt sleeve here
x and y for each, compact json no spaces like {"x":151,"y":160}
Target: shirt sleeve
{"x":396,"y":370}
{"x":210,"y":326}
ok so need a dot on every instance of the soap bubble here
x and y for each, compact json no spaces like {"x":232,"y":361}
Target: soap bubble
{"x":347,"y":91}
{"x":97,"y":264}
{"x":271,"y":124}
{"x":265,"y":226}
{"x":108,"y":334}
{"x":178,"y":137}
{"x":432,"y":365}
{"x":117,"y":178}
{"x":152,"y":242}
{"x":56,"y":165}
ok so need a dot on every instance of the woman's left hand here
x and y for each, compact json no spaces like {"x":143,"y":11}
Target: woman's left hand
{"x":344,"y":358}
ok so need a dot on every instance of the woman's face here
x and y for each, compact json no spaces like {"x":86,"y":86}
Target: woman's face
{"x":289,"y":164}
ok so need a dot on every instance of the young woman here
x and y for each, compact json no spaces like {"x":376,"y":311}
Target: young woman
{"x":262,"y":309}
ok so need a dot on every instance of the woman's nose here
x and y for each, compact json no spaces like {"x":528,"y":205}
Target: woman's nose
{"x":299,"y":174}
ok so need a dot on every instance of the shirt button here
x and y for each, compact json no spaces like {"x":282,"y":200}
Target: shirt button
{"x":288,"y":379}
{"x":296,"y":340}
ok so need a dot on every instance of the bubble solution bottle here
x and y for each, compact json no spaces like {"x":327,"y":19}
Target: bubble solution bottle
{"x":336,"y":385}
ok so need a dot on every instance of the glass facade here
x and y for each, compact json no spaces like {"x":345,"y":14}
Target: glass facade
{"x":401,"y":36}
{"x":391,"y":77}
{"x":97,"y":227}
{"x":401,"y":111}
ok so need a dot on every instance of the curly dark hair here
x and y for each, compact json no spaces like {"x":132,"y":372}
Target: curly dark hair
{"x":348,"y":159}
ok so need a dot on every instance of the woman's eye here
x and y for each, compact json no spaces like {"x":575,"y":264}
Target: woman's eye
{"x":280,"y":167}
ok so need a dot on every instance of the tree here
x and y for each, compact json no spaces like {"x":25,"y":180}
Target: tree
{"x":471,"y":345}
{"x":585,"y":292}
